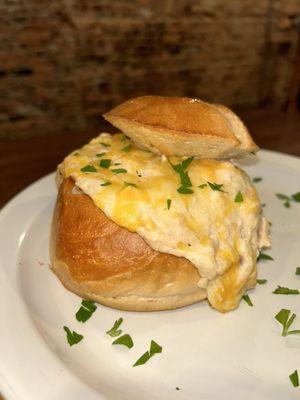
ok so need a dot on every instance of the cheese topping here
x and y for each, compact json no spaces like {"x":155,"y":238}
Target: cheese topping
{"x":208,"y":227}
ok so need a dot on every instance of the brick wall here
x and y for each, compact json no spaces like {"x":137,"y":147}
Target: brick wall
{"x":64,"y":62}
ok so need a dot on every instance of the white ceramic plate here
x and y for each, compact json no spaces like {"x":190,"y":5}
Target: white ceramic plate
{"x":207,"y":355}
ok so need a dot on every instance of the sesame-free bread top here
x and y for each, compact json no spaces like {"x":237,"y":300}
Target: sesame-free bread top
{"x":181,"y":126}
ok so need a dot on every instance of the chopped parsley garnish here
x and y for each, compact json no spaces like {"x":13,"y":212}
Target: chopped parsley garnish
{"x":297,"y":272}
{"x":185,"y":179}
{"x":261,"y":281}
{"x":247,"y":299}
{"x":169,"y":201}
{"x":124,"y":340}
{"x":130,"y":184}
{"x":119,"y":171}
{"x":123,"y":138}
{"x":154,"y":349}
{"x":100,"y":154}
{"x":186,"y":163}
{"x":105,"y":163}
{"x":85,"y":311}
{"x":177,"y":388}
{"x":106,"y":183}
{"x":281,"y":196}
{"x":72,"y":337}
{"x":202,"y":186}
{"x":117,"y":163}
{"x":143,"y":359}
{"x":127,"y":148}
{"x":88,"y":168}
{"x":288,"y":199}
{"x":105,"y":144}
{"x":285,"y":290}
{"x":294,"y":378}
{"x":114,"y":331}
{"x":184,"y":190}
{"x":283,"y":317}
{"x":296,"y":197}
{"x":263,"y":205}
{"x":183,"y":175}
{"x":215,"y":186}
{"x":263,"y":256}
{"x":239,"y":198}
{"x":76,"y":154}
{"x":257,"y":179}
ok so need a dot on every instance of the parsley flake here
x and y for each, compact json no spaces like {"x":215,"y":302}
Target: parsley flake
{"x":239,"y":198}
{"x":186,"y":163}
{"x":202,"y":186}
{"x":105,"y":163}
{"x":88,"y":168}
{"x":185,"y":179}
{"x":169,"y":201}
{"x":100,"y":154}
{"x":263,"y":256}
{"x":127,"y":148}
{"x":123,"y":138}
{"x":124,"y":340}
{"x":281,"y":196}
{"x":297,"y":272}
{"x":287,"y":199}
{"x":184,"y":190}
{"x":143,"y":359}
{"x":283,"y":317}
{"x":247,"y":299}
{"x":285,"y":290}
{"x":114,"y":331}
{"x":85,"y":311}
{"x":183,"y":175}
{"x":294,"y":378}
{"x":155,"y":348}
{"x":261,"y":281}
{"x":119,"y":171}
{"x":177,"y":388}
{"x":296,"y":197}
{"x":105,"y":144}
{"x":215,"y":186}
{"x":257,"y":179}
{"x":72,"y":337}
{"x":106,"y":183}
{"x":130,"y":184}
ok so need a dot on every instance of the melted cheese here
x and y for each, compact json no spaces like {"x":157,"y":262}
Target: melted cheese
{"x":218,"y":235}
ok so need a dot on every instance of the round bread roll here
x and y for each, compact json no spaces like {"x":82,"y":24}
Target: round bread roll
{"x":181,"y":126}
{"x":101,"y":261}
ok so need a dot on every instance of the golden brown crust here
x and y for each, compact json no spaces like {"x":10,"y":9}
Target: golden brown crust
{"x":101,"y":261}
{"x":183,"y":127}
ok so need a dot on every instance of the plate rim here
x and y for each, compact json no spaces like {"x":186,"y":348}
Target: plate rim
{"x":6,"y":389}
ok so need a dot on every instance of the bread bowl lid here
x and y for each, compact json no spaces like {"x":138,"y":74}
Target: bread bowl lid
{"x":183,"y":127}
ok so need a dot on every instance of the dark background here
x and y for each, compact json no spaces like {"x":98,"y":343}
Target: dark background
{"x":63,"y":63}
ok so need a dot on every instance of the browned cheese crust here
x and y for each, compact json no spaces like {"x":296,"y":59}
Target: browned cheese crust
{"x":101,"y":261}
{"x":181,"y":126}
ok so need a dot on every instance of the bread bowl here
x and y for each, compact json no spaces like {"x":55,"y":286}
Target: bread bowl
{"x":139,"y":230}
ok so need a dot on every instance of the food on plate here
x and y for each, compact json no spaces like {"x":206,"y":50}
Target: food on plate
{"x":162,"y":217}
